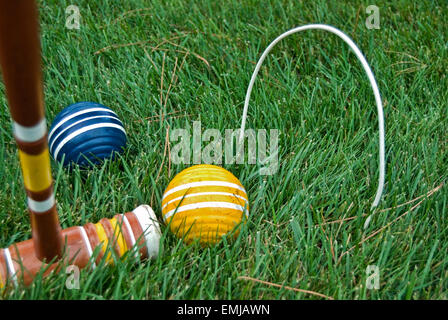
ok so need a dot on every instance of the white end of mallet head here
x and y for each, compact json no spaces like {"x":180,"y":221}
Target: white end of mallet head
{"x":151,"y":229}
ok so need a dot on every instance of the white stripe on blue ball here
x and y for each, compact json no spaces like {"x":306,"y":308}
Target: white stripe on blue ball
{"x":72,"y":125}
{"x":86,"y":132}
{"x":71,"y":116}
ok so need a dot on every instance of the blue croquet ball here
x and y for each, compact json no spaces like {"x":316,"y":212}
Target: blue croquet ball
{"x":84,"y":133}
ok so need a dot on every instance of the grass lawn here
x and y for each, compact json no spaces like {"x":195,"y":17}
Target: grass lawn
{"x":164,"y":64}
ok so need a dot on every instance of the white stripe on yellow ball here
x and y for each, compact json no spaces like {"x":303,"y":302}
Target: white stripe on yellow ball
{"x":203,"y":184}
{"x":201,"y":205}
{"x":204,"y":202}
{"x":203,"y":194}
{"x":204,"y":189}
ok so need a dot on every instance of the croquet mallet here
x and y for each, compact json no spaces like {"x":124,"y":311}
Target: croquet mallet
{"x":51,"y":247}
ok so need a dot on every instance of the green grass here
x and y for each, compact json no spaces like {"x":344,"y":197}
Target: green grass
{"x":319,"y":98}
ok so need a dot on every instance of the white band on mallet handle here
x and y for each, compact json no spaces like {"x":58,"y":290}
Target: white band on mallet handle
{"x":30,"y":134}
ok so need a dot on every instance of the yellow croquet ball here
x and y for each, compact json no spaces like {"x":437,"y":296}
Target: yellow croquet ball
{"x":204,"y":202}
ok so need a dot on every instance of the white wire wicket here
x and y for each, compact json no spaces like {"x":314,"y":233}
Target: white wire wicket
{"x":373,"y":83}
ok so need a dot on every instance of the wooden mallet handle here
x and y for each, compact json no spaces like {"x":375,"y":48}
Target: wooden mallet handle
{"x":20,"y":61}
